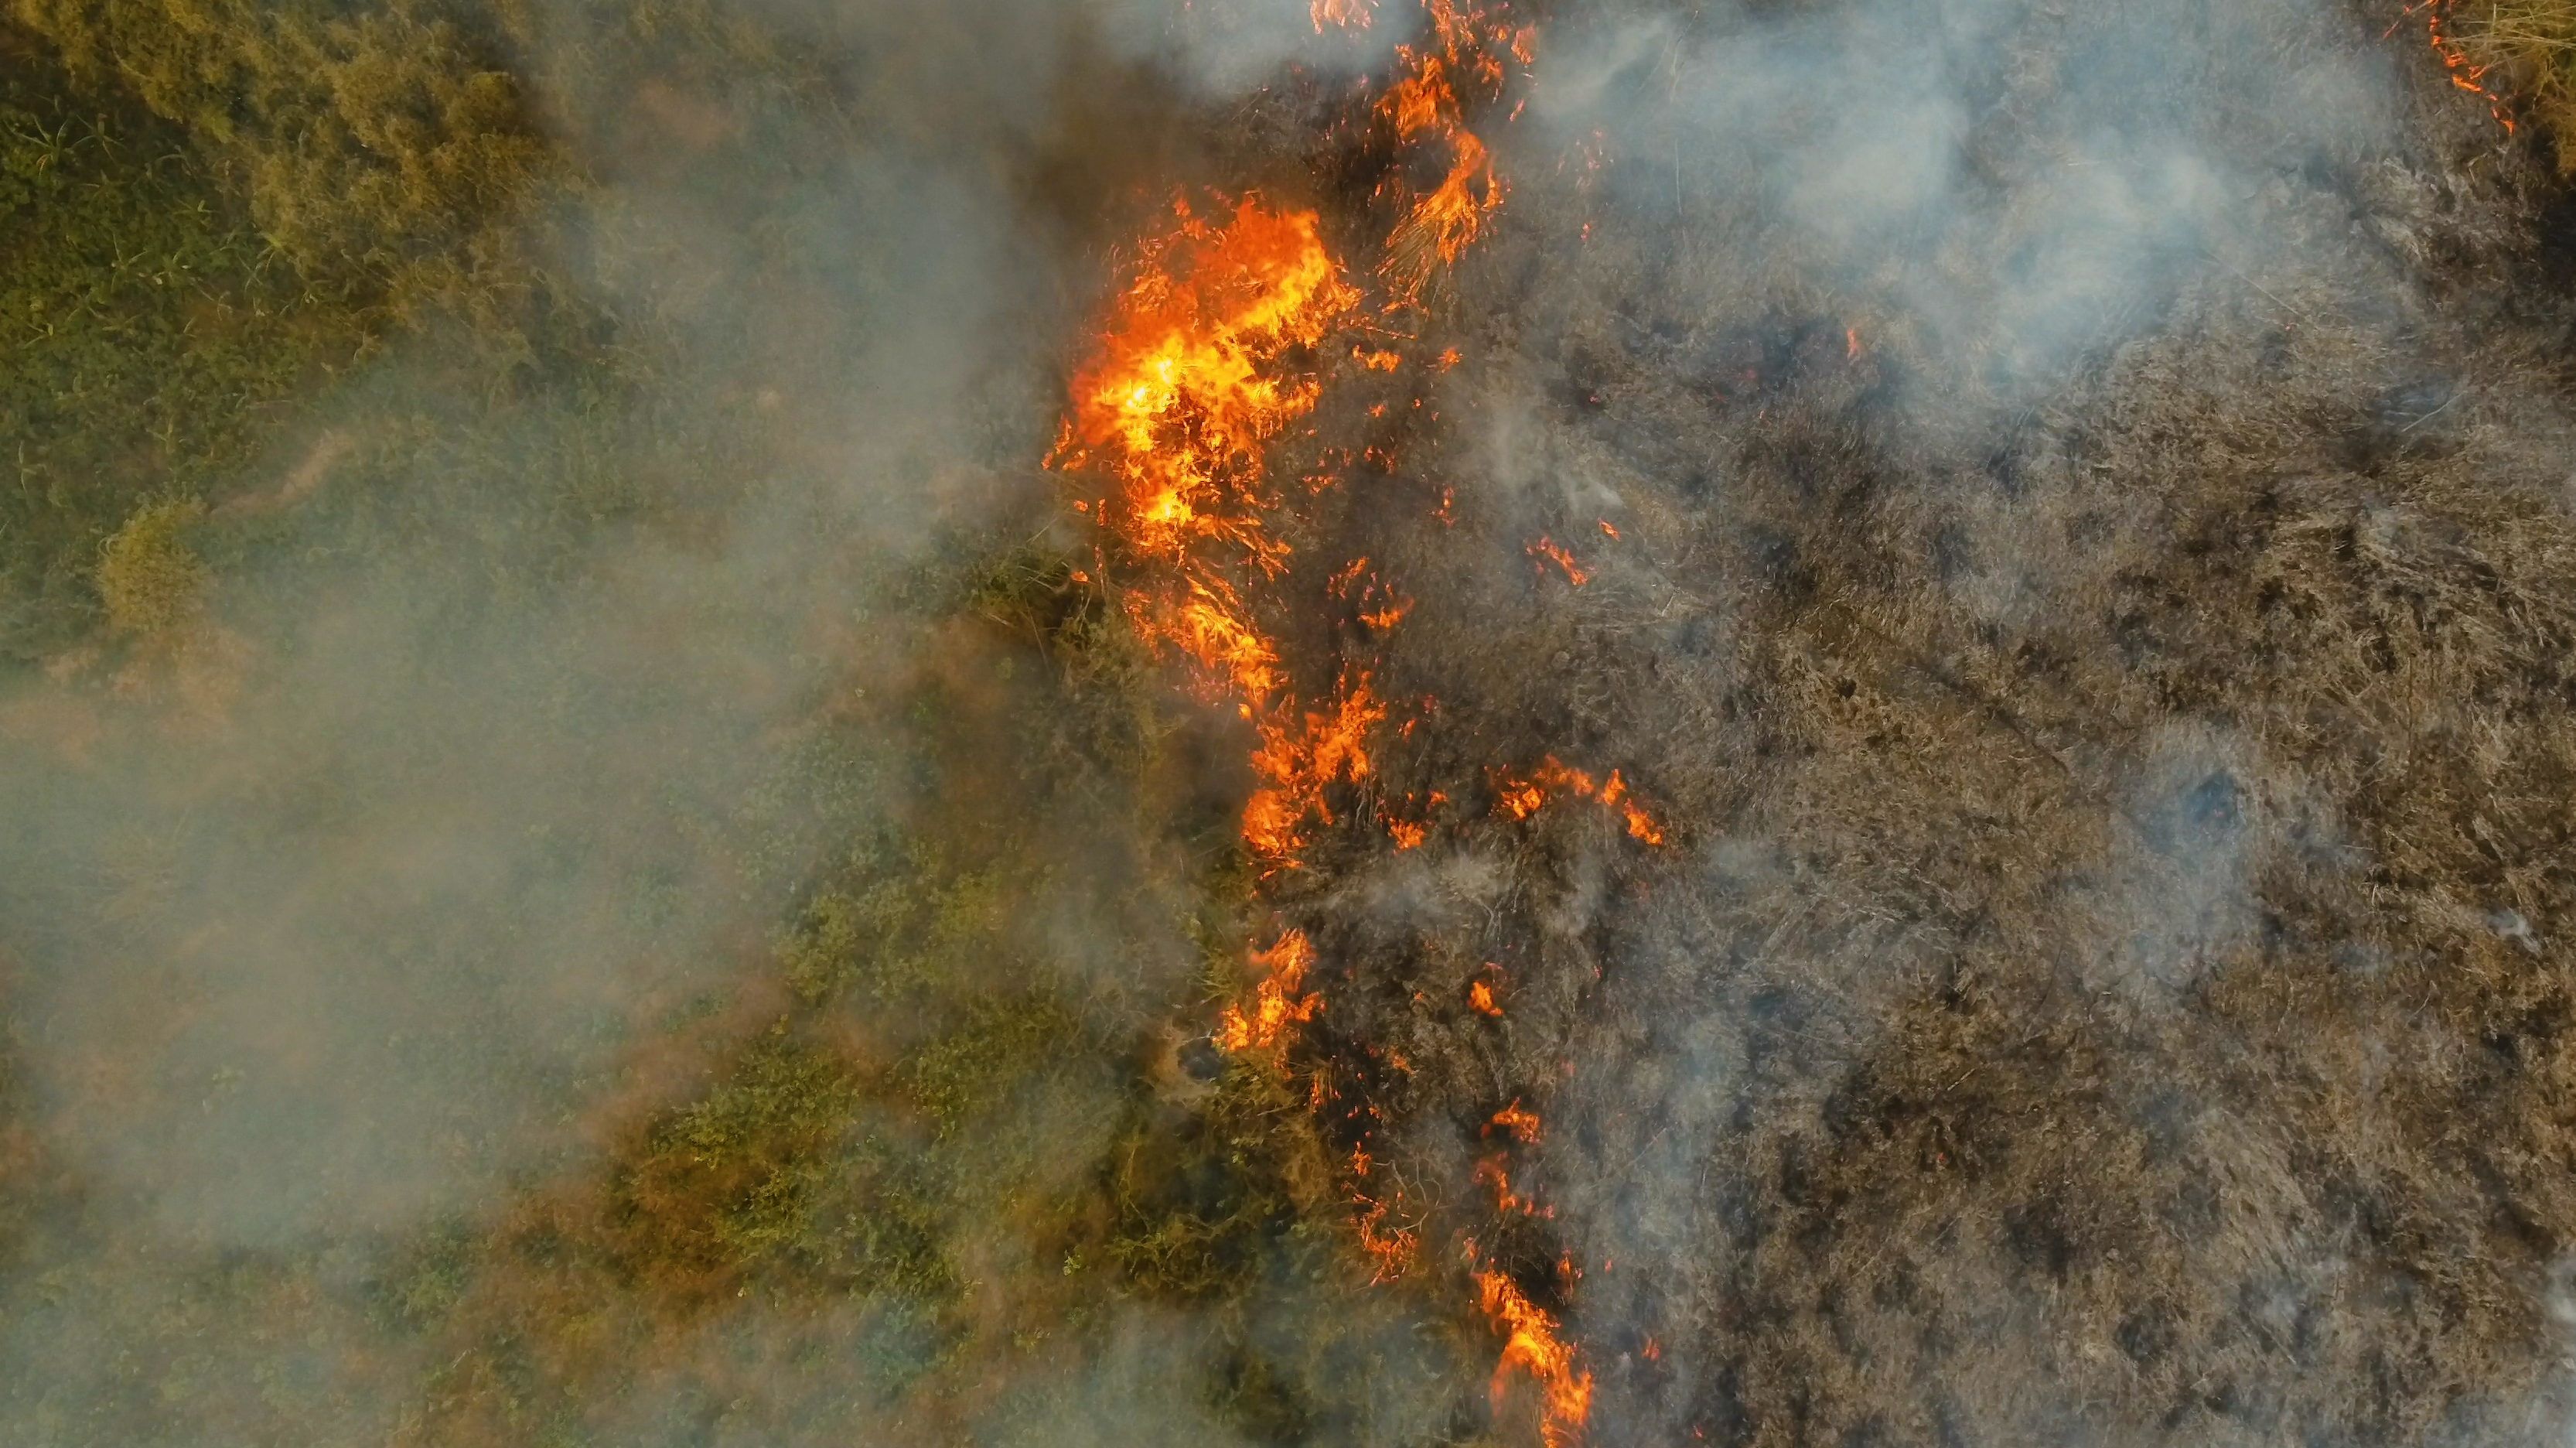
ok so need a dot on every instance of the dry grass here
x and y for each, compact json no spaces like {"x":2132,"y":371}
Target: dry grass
{"x":2533,"y":45}
{"x":2113,"y":984}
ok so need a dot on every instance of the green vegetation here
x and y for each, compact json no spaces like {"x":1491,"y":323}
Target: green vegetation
{"x":147,"y":336}
{"x":382,"y":148}
{"x":270,"y":318}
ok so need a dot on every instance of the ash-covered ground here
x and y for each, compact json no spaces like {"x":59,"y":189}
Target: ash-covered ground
{"x":2073,"y":505}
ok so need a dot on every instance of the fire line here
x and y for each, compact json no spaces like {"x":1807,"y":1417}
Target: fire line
{"x":1209,"y":356}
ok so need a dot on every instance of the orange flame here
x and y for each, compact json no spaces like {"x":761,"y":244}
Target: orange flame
{"x":1424,"y":105}
{"x":1349,"y":14}
{"x":1521,"y":797}
{"x":1481,"y":996}
{"x":1392,"y":1248}
{"x":1209,"y":357}
{"x":1278,"y":1002}
{"x":1554,"y":552}
{"x":2465,"y":73}
{"x":1531,"y":1345}
{"x":1189,"y":384}
{"x":1297,"y":762}
{"x":1491,"y":1172}
{"x":1518,"y":1120}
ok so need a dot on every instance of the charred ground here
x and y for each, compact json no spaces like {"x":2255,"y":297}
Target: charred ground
{"x":2119,"y":756}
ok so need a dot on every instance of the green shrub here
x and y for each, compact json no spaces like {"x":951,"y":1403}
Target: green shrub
{"x":148,"y":577}
{"x":965,"y":1072}
{"x":726,"y":1182}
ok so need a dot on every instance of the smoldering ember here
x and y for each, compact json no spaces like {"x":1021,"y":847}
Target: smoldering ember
{"x":1397,"y":723}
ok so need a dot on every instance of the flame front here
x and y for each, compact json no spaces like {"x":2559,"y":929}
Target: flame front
{"x":1196,"y":375}
{"x":1212,"y":353}
{"x":1192,"y":382}
{"x":1532,"y":1345}
{"x":2465,"y":73}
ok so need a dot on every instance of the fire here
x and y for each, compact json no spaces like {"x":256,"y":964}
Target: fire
{"x":1214,"y":351}
{"x":1392,"y":1248}
{"x":1194,"y":377}
{"x":1349,"y":14}
{"x":1279,"y":1002}
{"x":1424,"y":106}
{"x":2465,"y":73}
{"x":1520,"y":1122}
{"x":1298,"y":761}
{"x":1521,"y":797}
{"x":1554,"y":552}
{"x":1191,"y":382}
{"x":1532,"y":1346}
{"x":1492,"y":1172}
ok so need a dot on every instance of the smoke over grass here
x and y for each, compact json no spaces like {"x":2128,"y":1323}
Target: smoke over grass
{"x":2055,"y":513}
{"x":615,"y":868}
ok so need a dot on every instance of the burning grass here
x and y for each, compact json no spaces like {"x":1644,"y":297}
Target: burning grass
{"x":2525,"y":52}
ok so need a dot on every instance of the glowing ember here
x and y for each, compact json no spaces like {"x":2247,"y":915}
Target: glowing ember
{"x":1520,"y":1122}
{"x":1481,"y":996}
{"x":1392,"y":1248}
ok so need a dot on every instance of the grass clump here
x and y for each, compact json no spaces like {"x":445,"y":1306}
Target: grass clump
{"x":2533,"y":44}
{"x":151,"y":581}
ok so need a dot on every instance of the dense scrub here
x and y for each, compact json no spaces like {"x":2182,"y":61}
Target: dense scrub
{"x":919,"y":1110}
{"x":381,"y":147}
